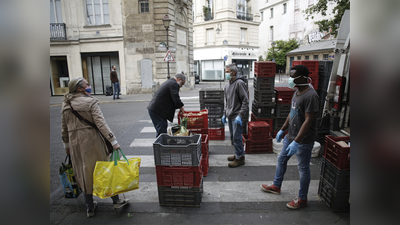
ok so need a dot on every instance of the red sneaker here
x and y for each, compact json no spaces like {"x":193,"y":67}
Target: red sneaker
{"x":271,"y":188}
{"x":296,"y":203}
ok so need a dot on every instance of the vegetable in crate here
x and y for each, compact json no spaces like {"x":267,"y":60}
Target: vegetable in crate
{"x":183,"y":131}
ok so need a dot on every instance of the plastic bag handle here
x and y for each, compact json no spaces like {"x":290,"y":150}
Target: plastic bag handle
{"x":115,"y":157}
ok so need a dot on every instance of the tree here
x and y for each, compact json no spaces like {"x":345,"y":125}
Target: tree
{"x":332,"y":25}
{"x":260,"y":58}
{"x":281,"y":48}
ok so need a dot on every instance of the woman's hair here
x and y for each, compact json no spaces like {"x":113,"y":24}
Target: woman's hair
{"x":73,"y":85}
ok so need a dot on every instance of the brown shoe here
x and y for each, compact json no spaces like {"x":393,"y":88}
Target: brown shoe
{"x":236,"y":162}
{"x":231,"y":158}
{"x":271,"y":189}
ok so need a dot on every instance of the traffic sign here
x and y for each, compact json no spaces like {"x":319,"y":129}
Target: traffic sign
{"x":169,"y":57}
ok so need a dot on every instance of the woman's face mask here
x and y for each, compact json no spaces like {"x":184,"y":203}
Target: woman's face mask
{"x":88,"y":90}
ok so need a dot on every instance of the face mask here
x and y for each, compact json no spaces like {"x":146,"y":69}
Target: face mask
{"x":88,"y":90}
{"x":292,"y":84}
{"x":228,"y":76}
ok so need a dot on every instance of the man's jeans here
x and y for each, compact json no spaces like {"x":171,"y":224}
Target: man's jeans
{"x":303,"y":159}
{"x":160,"y":124}
{"x":236,"y":131}
{"x":117,"y":89}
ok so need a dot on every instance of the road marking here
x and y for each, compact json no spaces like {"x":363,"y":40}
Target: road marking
{"x":142,"y":142}
{"x":194,"y":97}
{"x":145,"y":121}
{"x":148,"y":130}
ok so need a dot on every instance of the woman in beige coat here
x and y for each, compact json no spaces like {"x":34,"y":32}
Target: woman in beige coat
{"x":83,"y":142}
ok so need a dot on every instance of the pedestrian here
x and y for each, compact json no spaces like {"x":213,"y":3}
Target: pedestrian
{"x":164,"y":103}
{"x":83,"y":142}
{"x":115,"y":82}
{"x":301,"y":122}
{"x":236,"y":108}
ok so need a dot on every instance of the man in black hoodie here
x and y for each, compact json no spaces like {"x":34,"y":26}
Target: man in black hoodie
{"x":236,"y":108}
{"x":164,"y":103}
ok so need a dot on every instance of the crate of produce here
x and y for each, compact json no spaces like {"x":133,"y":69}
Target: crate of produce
{"x":258,"y":130}
{"x":264,"y":98}
{"x":282,"y":110}
{"x":177,"y":150}
{"x":189,"y":197}
{"x":264,"y":69}
{"x":215,"y":122}
{"x":276,"y":132}
{"x":199,"y":131}
{"x":263,"y":84}
{"x":262,"y":112}
{"x":205,"y":164}
{"x":204,"y":144}
{"x":179,"y":176}
{"x":283,"y":95}
{"x":214,"y":110}
{"x":257,"y":147}
{"x":338,"y":179}
{"x":337,"y":151}
{"x":211,"y":95}
{"x":216,"y":133}
{"x":196,"y":119}
{"x":278,"y":123}
{"x":337,"y":201}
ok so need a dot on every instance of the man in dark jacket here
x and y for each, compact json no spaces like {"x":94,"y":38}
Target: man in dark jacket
{"x":115,"y":82}
{"x":236,"y":108}
{"x":164,"y":103}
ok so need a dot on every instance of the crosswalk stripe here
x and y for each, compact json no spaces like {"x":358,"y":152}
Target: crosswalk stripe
{"x":142,"y":142}
{"x":148,"y":130}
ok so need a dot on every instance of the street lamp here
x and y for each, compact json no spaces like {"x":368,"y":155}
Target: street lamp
{"x":273,"y":44}
{"x":167,"y":21}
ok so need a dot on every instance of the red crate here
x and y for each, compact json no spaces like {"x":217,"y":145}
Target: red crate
{"x":264,"y":69}
{"x":216,"y":133}
{"x":205,"y":164}
{"x":204,"y":144}
{"x":283,"y":95}
{"x":269,"y":121}
{"x":313,"y":67}
{"x":258,"y":130}
{"x":257,"y":147}
{"x":276,"y":132}
{"x":339,"y":156}
{"x":195,"y":121}
{"x":179,"y":176}
{"x":199,"y":131}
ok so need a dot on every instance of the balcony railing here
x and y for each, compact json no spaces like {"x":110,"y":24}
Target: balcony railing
{"x":57,"y":31}
{"x":244,"y":16}
{"x":208,"y":16}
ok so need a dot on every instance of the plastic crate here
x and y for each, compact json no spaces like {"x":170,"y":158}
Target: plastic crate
{"x":282,"y":110}
{"x":262,"y":112}
{"x":190,"y":197}
{"x":257,"y":147}
{"x":205,"y":164}
{"x":215,"y":122}
{"x":339,"y":156}
{"x":177,"y":150}
{"x":262,"y":84}
{"x":264,"y":98}
{"x":336,"y":200}
{"x":264,"y":69}
{"x":214,"y":110}
{"x":204,"y":144}
{"x":278,"y":123}
{"x":211,"y":95}
{"x":199,"y":131}
{"x":196,"y":119}
{"x":283,"y":95}
{"x":269,"y":121}
{"x":258,"y":130}
{"x":179,"y":176}
{"x":312,"y":66}
{"x":216,"y":133}
{"x":338,"y":179}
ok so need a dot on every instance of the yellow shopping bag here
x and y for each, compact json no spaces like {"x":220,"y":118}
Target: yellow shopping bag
{"x":116,"y":176}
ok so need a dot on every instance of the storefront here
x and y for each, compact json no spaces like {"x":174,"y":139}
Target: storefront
{"x":59,"y":75}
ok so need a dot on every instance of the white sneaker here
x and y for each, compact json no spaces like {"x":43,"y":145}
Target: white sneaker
{"x":120,"y":203}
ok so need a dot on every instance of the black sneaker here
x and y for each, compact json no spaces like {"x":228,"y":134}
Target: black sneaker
{"x":90,"y":213}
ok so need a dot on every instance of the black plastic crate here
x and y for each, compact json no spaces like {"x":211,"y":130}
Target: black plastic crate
{"x":262,"y":112}
{"x":282,"y":110}
{"x":215,"y":110}
{"x":245,"y":127}
{"x":337,"y":201}
{"x":211,"y":95}
{"x":264,"y":98}
{"x":215,"y":122}
{"x":278,"y":123}
{"x":264,"y":84}
{"x":178,"y":196}
{"x":338,"y":179}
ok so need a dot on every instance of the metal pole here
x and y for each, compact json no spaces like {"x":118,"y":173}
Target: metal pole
{"x":168,"y":50}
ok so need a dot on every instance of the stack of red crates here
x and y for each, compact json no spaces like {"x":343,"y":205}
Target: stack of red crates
{"x":259,"y":139}
{"x":283,"y":98}
{"x":313,"y":67}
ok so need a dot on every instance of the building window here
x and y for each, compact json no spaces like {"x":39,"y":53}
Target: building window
{"x":97,"y":12}
{"x":307,"y":57}
{"x":271,"y":33}
{"x":296,"y":4}
{"x":315,"y":57}
{"x":144,"y":6}
{"x":272,"y":12}
{"x":55,"y":11}
{"x":326,"y":56}
{"x":284,"y":8}
{"x":310,"y":2}
{"x":243,"y":35}
{"x":262,"y":16}
{"x":243,"y":10}
{"x":298,"y":57}
{"x":210,"y":36}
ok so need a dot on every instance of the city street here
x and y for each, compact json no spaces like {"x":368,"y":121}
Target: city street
{"x":231,"y":195}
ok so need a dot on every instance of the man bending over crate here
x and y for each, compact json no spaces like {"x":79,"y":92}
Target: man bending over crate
{"x":236,"y":107}
{"x":164,"y":103}
{"x":300,"y":139}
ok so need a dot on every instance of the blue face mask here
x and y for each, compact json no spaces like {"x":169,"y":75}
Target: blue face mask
{"x":89,"y":90}
{"x":228,"y":76}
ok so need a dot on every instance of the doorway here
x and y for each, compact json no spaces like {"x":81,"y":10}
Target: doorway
{"x":59,"y":76}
